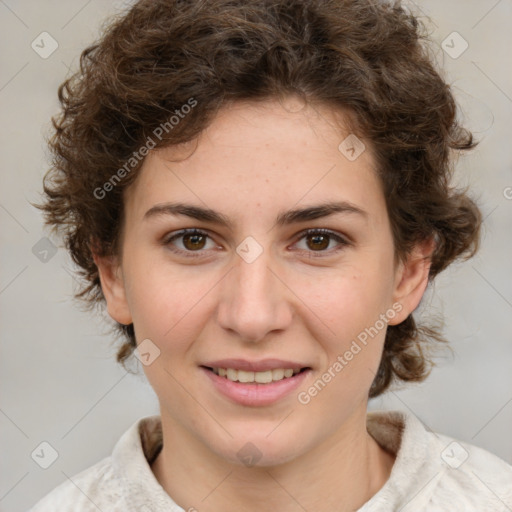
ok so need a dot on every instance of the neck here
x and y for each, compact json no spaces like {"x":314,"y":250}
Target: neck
{"x":341,"y":474}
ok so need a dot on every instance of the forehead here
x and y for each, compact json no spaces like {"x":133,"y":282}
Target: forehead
{"x":261,"y":156}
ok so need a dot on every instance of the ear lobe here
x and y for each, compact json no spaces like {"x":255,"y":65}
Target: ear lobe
{"x":113,"y":287}
{"x":412,"y":279}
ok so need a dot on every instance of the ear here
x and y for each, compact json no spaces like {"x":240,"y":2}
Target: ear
{"x":411,"y":279}
{"x":113,"y":286}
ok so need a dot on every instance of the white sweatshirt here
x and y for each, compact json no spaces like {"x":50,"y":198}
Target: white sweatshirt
{"x":431,"y":473}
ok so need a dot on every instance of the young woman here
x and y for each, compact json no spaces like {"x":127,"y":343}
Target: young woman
{"x":260,"y":193}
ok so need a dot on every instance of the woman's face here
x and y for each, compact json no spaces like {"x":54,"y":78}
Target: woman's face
{"x":255,"y":292}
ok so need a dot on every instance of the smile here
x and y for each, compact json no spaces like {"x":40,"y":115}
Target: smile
{"x":257,"y":386}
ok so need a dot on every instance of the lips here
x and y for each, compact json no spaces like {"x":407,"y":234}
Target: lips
{"x":255,"y":383}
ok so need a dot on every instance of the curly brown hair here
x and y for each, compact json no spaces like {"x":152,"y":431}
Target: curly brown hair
{"x":368,"y":57}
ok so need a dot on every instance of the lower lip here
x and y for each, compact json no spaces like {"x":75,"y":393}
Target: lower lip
{"x":255,"y":394}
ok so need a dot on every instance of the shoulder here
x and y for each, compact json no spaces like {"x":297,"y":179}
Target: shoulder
{"x":476,"y":478}
{"x":435,"y":472}
{"x":114,"y":482}
{"x":87,"y":491}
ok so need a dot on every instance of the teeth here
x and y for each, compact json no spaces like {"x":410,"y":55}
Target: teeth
{"x":277,"y":374}
{"x":263,"y":377}
{"x":260,"y":377}
{"x":245,"y":376}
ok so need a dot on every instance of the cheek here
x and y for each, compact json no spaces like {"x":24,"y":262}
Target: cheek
{"x":353,"y":344}
{"x":169,"y":306}
{"x":352,"y":306}
{"x":351,"y":300}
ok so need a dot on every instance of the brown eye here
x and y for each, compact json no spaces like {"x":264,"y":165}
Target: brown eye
{"x":319,"y":240}
{"x":194,"y":241}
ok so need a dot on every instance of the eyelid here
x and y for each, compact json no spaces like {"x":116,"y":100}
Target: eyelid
{"x":342,"y":240}
{"x":167,"y":239}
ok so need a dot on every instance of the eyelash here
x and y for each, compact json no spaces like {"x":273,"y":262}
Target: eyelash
{"x":314,"y":231}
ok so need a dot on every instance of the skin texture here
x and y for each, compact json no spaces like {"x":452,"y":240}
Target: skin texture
{"x":294,"y":302}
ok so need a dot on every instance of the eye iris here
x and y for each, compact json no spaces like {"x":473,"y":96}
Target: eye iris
{"x":318,"y":239}
{"x":197,"y":241}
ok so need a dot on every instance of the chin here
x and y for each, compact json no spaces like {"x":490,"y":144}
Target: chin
{"x":258,"y":451}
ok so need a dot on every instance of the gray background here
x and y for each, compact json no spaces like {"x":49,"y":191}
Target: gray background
{"x":60,"y":382}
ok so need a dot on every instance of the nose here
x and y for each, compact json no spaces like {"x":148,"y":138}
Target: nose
{"x":255,"y":299}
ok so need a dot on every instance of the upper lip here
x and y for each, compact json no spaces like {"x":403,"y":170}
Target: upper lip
{"x":255,"y":366}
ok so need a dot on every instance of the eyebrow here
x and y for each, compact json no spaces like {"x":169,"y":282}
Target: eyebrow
{"x":284,"y":218}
